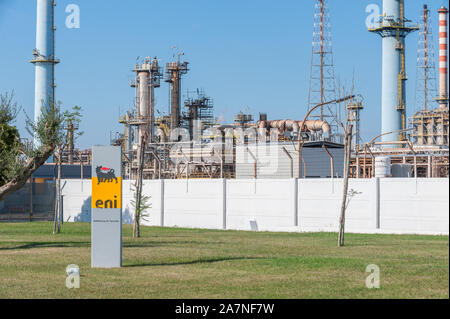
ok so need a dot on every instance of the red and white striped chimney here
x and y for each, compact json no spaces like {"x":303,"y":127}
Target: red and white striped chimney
{"x":443,"y":68}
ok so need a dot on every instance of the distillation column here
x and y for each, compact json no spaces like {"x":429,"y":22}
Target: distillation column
{"x":174,"y":72}
{"x":144,"y":99}
{"x":44,"y":58}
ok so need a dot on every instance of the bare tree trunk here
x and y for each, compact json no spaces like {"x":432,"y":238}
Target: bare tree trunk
{"x":59,"y":194}
{"x":347,"y":156}
{"x":57,"y":219}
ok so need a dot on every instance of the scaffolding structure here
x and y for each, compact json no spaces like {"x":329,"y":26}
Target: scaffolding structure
{"x":242,"y":119}
{"x":200,"y":109}
{"x":430,"y":127}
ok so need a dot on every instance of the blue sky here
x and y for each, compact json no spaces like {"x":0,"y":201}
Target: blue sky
{"x":252,"y":53}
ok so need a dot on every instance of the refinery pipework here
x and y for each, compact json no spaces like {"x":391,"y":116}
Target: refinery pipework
{"x":44,"y":58}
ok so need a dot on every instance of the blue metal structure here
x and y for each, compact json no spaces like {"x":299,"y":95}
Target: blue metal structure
{"x":393,"y":29}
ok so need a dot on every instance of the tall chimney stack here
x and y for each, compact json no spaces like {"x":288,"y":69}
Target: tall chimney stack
{"x":443,"y":66}
{"x":393,"y":29}
{"x":44,"y":58}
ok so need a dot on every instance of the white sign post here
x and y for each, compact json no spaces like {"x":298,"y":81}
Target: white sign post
{"x":106,"y":204}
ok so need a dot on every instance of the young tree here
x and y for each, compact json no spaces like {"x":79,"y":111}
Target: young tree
{"x":137,"y":203}
{"x":67,"y":136}
{"x":140,"y":203}
{"x":347,"y":157}
{"x":18,"y":162}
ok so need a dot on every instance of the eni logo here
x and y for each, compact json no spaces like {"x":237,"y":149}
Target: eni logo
{"x":107,"y":203}
{"x":106,"y":188}
{"x":105,"y":174}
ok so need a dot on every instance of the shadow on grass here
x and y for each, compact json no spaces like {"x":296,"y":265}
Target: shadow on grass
{"x":196,"y":261}
{"x":75,"y":244}
{"x":132,"y":244}
{"x":49,"y":245}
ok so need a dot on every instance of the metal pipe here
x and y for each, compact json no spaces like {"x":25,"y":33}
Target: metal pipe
{"x":294,"y":126}
{"x":291,"y":159}
{"x":304,"y":167}
{"x":255,"y":162}
{"x":358,"y":168}
{"x":331,"y":160}
{"x":159,"y":162}
{"x":364,"y":163}
{"x":415,"y":157}
{"x":301,"y":142}
{"x":221,"y":161}
{"x":373,"y":162}
{"x":299,"y":151}
{"x":429,"y":172}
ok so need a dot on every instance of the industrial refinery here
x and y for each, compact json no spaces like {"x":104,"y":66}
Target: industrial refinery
{"x":232,"y":149}
{"x":189,"y":142}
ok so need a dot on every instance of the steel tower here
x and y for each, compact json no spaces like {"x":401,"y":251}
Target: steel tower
{"x":426,"y":70}
{"x":322,"y":82}
{"x":393,"y":29}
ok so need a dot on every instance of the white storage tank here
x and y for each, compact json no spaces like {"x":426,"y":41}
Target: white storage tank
{"x":382,"y":166}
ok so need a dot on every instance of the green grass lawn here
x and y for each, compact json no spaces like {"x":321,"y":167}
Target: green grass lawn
{"x":192,"y":263}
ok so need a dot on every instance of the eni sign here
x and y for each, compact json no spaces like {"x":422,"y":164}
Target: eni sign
{"x":106,"y":204}
{"x":106,"y":188}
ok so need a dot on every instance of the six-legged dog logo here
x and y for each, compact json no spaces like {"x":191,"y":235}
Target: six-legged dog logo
{"x":105,"y":175}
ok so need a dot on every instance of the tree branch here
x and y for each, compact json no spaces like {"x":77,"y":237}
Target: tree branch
{"x":31,"y":166}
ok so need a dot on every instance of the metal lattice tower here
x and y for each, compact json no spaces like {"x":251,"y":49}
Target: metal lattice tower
{"x":426,"y":84}
{"x":322,"y":82}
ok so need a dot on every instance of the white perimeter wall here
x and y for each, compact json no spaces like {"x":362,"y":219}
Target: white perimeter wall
{"x":388,"y":205}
